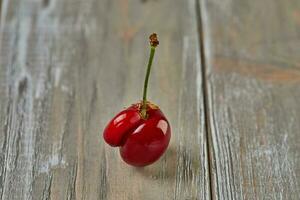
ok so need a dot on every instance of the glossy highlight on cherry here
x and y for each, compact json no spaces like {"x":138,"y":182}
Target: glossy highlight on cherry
{"x":142,"y":132}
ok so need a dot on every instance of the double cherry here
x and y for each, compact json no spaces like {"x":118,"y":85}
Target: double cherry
{"x":141,"y":131}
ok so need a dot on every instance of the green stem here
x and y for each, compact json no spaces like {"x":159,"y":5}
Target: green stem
{"x":144,"y":104}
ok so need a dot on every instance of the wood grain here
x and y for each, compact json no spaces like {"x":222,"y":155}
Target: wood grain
{"x":67,"y":66}
{"x":251,"y":53}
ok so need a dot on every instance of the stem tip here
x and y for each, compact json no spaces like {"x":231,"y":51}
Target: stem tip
{"x":153,"y":40}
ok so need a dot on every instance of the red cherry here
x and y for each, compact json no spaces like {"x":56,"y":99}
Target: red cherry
{"x":141,"y":131}
{"x":120,"y":125}
{"x":141,"y":141}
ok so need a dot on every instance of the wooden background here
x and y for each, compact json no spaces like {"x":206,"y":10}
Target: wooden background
{"x":226,"y":74}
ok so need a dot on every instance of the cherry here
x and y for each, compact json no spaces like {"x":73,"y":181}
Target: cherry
{"x":142,"y":132}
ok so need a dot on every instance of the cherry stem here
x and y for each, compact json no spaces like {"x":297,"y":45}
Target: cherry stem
{"x":153,"y":43}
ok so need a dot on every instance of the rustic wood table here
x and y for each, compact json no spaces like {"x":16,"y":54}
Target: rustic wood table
{"x":227,"y":75}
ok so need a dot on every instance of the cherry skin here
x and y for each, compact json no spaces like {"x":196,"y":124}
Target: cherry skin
{"x":141,"y":141}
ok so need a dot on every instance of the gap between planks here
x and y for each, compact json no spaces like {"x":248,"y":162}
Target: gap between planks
{"x":207,"y":127}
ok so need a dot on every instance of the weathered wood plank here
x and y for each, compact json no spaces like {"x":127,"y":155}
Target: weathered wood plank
{"x":252,"y":63}
{"x":67,"y":66}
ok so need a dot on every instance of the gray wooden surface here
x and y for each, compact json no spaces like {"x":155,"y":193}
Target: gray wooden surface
{"x":252,"y":65}
{"x":226,"y":74}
